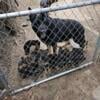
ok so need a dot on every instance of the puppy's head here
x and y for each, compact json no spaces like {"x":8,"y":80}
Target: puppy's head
{"x":47,"y":3}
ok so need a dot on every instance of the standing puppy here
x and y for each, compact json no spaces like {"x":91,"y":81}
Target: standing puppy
{"x":54,"y":30}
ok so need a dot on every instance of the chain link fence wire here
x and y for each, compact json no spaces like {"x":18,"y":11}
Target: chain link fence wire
{"x":38,"y":46}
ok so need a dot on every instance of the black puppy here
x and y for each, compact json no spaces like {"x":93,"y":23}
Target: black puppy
{"x":54,"y":30}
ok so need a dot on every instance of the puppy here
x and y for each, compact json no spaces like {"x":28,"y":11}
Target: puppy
{"x":54,"y":30}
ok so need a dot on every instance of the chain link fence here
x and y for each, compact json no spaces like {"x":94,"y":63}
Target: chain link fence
{"x":45,"y":45}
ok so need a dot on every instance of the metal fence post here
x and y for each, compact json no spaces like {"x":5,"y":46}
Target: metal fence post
{"x":96,"y":57}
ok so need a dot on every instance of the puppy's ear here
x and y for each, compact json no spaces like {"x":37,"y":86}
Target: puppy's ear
{"x":44,"y":14}
{"x":29,"y":8}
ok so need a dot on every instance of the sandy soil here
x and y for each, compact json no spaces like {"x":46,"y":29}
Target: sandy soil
{"x":81,"y":85}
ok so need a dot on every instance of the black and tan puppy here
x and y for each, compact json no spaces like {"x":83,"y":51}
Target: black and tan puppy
{"x":54,"y":30}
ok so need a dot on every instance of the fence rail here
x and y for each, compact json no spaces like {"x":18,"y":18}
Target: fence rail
{"x":49,"y":9}
{"x":50,"y":78}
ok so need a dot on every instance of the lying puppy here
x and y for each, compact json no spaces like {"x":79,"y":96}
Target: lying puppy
{"x":54,"y":30}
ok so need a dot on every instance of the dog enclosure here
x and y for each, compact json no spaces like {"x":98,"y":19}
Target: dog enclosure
{"x":28,"y":59}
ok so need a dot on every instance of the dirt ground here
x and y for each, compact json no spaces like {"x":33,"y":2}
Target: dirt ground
{"x":80,"y":85}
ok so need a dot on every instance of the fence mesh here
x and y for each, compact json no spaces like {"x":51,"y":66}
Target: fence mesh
{"x":38,"y":46}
